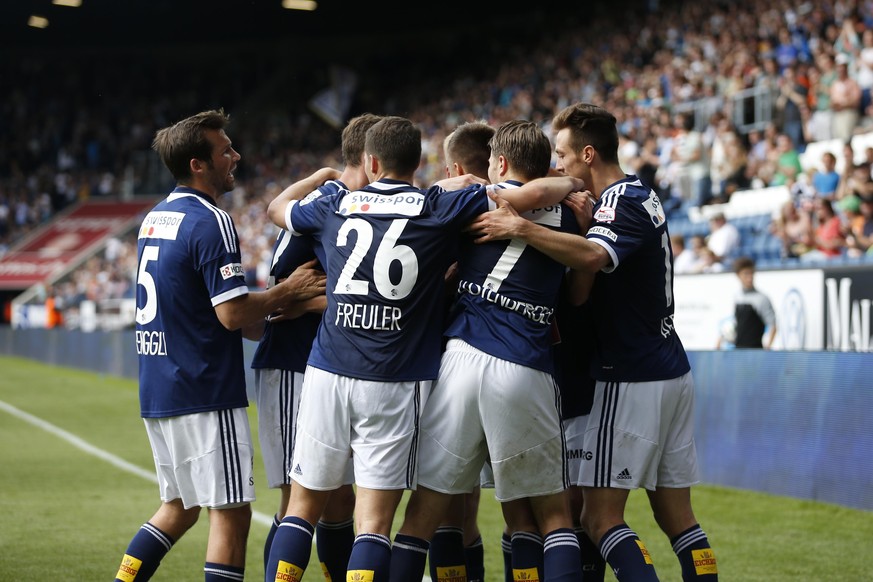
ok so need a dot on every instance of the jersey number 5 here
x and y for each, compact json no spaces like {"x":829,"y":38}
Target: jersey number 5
{"x":144,"y":278}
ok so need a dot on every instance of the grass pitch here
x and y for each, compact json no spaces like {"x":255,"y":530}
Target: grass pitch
{"x":76,"y":486}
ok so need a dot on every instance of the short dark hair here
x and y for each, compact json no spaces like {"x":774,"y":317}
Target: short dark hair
{"x":396,"y":141}
{"x":590,"y":125}
{"x":742,"y":263}
{"x":186,"y":140}
{"x":354,"y":136}
{"x":525,"y":146}
{"x":469,"y":145}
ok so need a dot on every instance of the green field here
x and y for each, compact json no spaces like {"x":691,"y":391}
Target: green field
{"x":75,"y":485}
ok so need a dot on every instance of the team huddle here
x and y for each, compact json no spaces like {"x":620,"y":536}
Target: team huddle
{"x":509,"y":327}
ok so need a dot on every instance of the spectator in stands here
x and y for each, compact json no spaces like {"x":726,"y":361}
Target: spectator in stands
{"x":845,"y":101}
{"x":685,"y":258}
{"x":864,"y":68}
{"x":788,"y":166}
{"x":763,"y":156}
{"x":821,"y":78}
{"x":53,"y":315}
{"x":791,"y":104}
{"x":860,"y":236}
{"x":825,"y":238}
{"x":709,"y":262}
{"x":724,"y":237}
{"x":792,"y":227}
{"x":858,"y":183}
{"x":826,"y":180}
{"x":727,"y":162}
{"x":753,"y":311}
{"x":691,"y":162}
{"x":849,"y":212}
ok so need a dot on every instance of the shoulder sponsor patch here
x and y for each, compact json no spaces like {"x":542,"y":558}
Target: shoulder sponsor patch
{"x":403,"y":203}
{"x":163,"y":225}
{"x":655,"y":209}
{"x":604,"y":214}
{"x":603,"y":231}
{"x":232,"y":270}
{"x":314,"y":195}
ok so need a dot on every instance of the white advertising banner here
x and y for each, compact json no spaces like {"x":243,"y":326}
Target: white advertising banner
{"x":704,"y":306}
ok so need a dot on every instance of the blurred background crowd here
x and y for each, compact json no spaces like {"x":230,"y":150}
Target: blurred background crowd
{"x":712,"y":97}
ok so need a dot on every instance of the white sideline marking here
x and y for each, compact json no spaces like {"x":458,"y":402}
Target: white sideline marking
{"x":100,"y":453}
{"x":261,"y":518}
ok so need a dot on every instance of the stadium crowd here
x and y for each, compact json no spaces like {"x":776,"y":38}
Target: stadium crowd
{"x":712,"y":97}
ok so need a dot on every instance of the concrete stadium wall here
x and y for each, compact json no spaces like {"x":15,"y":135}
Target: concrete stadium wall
{"x":789,"y":423}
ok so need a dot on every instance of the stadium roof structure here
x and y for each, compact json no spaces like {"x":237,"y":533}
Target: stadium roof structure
{"x":107,"y":23}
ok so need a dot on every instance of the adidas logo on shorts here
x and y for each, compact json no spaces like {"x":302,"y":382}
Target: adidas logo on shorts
{"x":297,"y":469}
{"x":624,"y":475}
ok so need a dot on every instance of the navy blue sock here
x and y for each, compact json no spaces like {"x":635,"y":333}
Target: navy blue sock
{"x":289,"y":554}
{"x":474,"y":557}
{"x":269,"y":541}
{"x":593,"y":564}
{"x":627,"y":555}
{"x":695,"y":555}
{"x":222,"y":572}
{"x":561,"y":559}
{"x":408,"y":555}
{"x":371,"y":553}
{"x":527,"y":556}
{"x":334,"y":541}
{"x":144,"y":554}
{"x":506,"y":546}
{"x":446,"y":554}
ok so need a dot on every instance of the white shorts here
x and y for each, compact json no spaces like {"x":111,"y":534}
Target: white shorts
{"x":577,"y":454}
{"x":642,"y":435}
{"x":277,"y":395}
{"x":484,"y":406}
{"x":205,"y":459}
{"x":376,"y":424}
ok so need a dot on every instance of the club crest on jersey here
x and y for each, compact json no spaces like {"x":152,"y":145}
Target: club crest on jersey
{"x":403,"y":203}
{"x":232,"y":270}
{"x":163,"y":225}
{"x":604,"y":214}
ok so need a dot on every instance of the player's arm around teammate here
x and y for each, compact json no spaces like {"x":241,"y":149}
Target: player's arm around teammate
{"x":192,"y":301}
{"x":640,"y":365}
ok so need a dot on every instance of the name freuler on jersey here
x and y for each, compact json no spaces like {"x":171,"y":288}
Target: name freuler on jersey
{"x":538,"y":313}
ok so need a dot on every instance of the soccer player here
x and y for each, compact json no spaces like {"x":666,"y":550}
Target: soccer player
{"x":496,"y":376}
{"x":280,"y":361}
{"x":573,"y":349}
{"x":192,"y":301}
{"x":457,"y":539}
{"x":385,"y":249}
{"x":641,"y":425}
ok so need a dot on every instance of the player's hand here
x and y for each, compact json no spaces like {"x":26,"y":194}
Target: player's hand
{"x":501,"y":223}
{"x":306,"y":281}
{"x":582,"y":205}
{"x":289,"y":312}
{"x":459,"y":182}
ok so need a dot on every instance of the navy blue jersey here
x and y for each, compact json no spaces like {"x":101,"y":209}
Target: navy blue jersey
{"x":508,"y":291}
{"x":573,"y":353}
{"x":385,"y":249}
{"x":189,"y":262}
{"x":286,"y":344}
{"x":633,"y":297}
